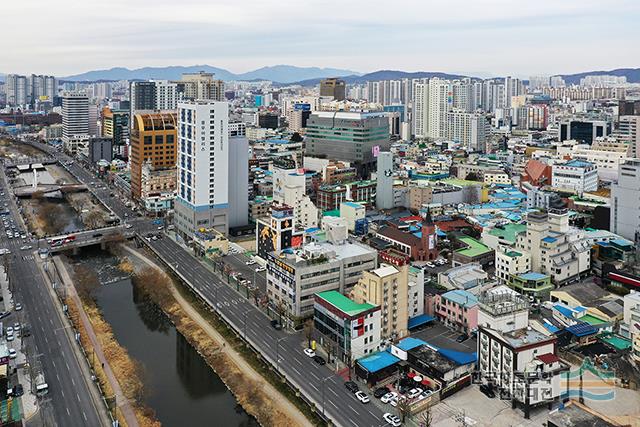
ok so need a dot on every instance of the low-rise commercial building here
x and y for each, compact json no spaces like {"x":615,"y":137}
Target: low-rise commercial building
{"x":348,"y":329}
{"x":472,"y":251}
{"x":458,"y":309}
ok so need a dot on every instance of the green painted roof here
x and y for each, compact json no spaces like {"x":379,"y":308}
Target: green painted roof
{"x":509,"y":231}
{"x":474,"y":248}
{"x":343,"y":303}
{"x":334,"y":212}
{"x":460,"y":182}
{"x":592,"y":320}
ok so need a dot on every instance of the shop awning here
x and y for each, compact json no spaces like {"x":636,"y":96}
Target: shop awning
{"x":420,"y":320}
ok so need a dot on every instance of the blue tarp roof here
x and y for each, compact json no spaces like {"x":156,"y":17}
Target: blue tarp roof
{"x":581,"y":329}
{"x":420,"y":320}
{"x":409,"y":343}
{"x":549,"y":239}
{"x":378,"y":361}
{"x":550,"y":327}
{"x":565,"y":311}
{"x":459,"y":357}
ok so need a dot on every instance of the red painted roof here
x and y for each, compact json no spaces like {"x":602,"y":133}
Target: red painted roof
{"x":456,"y":224}
{"x":411,"y":218}
{"x":548,"y":358}
{"x":535,"y":169}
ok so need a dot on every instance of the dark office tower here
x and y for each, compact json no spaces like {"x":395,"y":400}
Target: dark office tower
{"x":142,"y":96}
{"x":333,"y":87}
{"x":628,"y":108}
{"x":269,"y":120}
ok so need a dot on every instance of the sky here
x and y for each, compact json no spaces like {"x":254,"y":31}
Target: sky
{"x":476,"y":37}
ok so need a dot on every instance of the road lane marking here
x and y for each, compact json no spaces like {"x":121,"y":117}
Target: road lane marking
{"x":351,"y":407}
{"x":68,"y":413}
{"x":333,"y":404}
{"x":333,"y":391}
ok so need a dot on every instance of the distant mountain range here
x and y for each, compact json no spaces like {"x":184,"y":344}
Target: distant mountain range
{"x":306,"y":76}
{"x":277,"y":73}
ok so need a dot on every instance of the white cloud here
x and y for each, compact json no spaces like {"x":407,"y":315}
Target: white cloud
{"x":500,"y":36}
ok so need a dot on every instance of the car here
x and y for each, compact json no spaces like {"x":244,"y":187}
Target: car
{"x":250,"y":262}
{"x":18,"y":390}
{"x":309,"y":352}
{"x":12,"y":353}
{"x":276,"y":325}
{"x":414,"y":392}
{"x":462,"y":338}
{"x":128,"y":226}
{"x":362,"y":397}
{"x":351,"y":386}
{"x":160,"y":227}
{"x":391,"y":419}
{"x":380,"y":392}
{"x":387,"y":397}
{"x":441,"y":261}
{"x":17,"y":327}
{"x":261,"y":269}
{"x":394,"y":401}
{"x":424,"y":394}
{"x":319,"y":360}
{"x":10,"y":337}
{"x":18,"y":307}
{"x":9,"y":330}
{"x":431,"y":265}
{"x":25,"y":247}
{"x":23,"y":236}
{"x":487,"y":390}
{"x":4,"y":314}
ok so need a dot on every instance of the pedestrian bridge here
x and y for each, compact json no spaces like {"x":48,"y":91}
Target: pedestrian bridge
{"x":80,"y":239}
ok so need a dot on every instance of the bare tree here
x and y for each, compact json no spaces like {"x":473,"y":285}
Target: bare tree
{"x":308,"y":331}
{"x":404,"y":408}
{"x":86,"y":282}
{"x":426,"y":418}
{"x":93,"y":219}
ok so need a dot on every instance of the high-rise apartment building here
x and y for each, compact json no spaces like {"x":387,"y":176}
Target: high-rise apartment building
{"x":629,"y":132}
{"x":202,"y":85}
{"x":75,"y":114}
{"x":333,"y":87}
{"x":203,"y":167}
{"x":471,"y":130}
{"x":238,"y":181}
{"x":16,"y":89}
{"x":625,"y":201}
{"x":349,"y":136}
{"x":154,"y":95}
{"x":153,"y":140}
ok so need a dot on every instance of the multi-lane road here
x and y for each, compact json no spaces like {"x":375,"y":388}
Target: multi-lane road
{"x":72,"y":399}
{"x":284,"y":350}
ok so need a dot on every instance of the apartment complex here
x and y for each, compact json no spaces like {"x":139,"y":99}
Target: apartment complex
{"x":625,"y":201}
{"x":333,"y":87}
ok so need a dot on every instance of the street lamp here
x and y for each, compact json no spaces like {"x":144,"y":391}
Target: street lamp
{"x":245,"y":322}
{"x":323,"y":381}
{"x":277,"y":350}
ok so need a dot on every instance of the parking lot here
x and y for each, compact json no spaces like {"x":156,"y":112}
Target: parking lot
{"x":441,"y":336}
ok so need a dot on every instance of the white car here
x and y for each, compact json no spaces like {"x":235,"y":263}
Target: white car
{"x":424,"y":394}
{"x":12,"y":353}
{"x":128,"y":226}
{"x":394,"y":401}
{"x":251,"y":262}
{"x":309,"y":352}
{"x":414,"y":392}
{"x":10,"y":337}
{"x":362,"y":397}
{"x":9,"y":330}
{"x":431,"y":265}
{"x":387,"y":397}
{"x":261,"y":269}
{"x":392,"y":420}
{"x":18,"y":307}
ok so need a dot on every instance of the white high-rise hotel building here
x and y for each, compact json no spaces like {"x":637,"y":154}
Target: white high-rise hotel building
{"x":203,"y":167}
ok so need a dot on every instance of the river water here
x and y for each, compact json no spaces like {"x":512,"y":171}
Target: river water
{"x":180,"y":387}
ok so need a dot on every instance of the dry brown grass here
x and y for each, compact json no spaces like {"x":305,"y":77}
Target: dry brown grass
{"x":247,"y":390}
{"x":128,"y":372}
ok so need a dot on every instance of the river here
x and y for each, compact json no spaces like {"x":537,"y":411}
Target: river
{"x":180,"y":387}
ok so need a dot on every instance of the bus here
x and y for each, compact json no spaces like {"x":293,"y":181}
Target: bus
{"x":61,"y":240}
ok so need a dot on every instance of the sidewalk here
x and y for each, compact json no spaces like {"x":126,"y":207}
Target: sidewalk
{"x":286,"y":405}
{"x":121,"y":401}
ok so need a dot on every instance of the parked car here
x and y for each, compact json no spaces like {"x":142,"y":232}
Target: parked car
{"x":487,"y":390}
{"x":431,"y":265}
{"x":362,"y":397}
{"x":392,"y":420}
{"x":394,"y":401}
{"x":9,"y":330}
{"x":309,"y":352}
{"x":319,"y":360}
{"x":462,"y":338}
{"x":389,"y":396}
{"x":10,"y":337}
{"x":351,"y":386}
{"x":424,"y":394}
{"x":261,"y":269}
{"x":251,"y":262}
{"x":12,"y":353}
{"x":380,"y":392}
{"x":18,"y":307}
{"x":18,"y":390}
{"x":414,"y":392}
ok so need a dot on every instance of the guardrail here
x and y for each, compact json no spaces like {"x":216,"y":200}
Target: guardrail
{"x":315,"y":405}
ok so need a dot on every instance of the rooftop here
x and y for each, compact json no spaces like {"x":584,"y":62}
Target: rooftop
{"x":343,"y":303}
{"x":508,"y":232}
{"x":474,"y":248}
{"x":461,"y":297}
{"x":533,"y":276}
{"x":385,"y":270}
